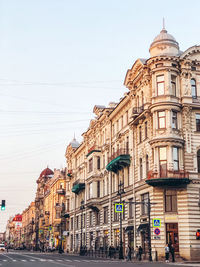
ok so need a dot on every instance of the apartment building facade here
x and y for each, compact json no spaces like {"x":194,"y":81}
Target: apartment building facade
{"x":150,"y":143}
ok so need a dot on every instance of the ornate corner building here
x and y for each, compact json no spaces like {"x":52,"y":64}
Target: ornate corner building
{"x":150,"y":142}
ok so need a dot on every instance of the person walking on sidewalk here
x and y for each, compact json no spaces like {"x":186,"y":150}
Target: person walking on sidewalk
{"x":140,"y":251}
{"x":167,"y":253}
{"x":172,"y":251}
{"x":128,"y":253}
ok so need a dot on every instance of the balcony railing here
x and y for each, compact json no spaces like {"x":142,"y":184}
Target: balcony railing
{"x":121,"y":151}
{"x":118,"y":160}
{"x":137,"y":110}
{"x":168,"y":177}
{"x":168,"y":174}
{"x":61,"y":191}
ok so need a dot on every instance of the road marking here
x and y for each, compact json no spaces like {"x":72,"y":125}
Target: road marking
{"x":32,"y":260}
{"x":77,"y":260}
{"x":5,"y":260}
{"x":69,"y":260}
{"x":23,"y":260}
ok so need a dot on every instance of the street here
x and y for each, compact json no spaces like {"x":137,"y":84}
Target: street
{"x":23,"y":258}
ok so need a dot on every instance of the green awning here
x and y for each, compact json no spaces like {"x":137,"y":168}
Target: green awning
{"x":118,"y":163}
{"x":78,"y":187}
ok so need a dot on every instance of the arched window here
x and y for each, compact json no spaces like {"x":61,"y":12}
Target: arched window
{"x":198,"y":160}
{"x":193,"y":88}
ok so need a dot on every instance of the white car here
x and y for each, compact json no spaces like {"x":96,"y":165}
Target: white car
{"x":2,"y":247}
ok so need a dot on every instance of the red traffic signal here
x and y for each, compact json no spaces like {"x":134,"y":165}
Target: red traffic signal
{"x":198,"y":234}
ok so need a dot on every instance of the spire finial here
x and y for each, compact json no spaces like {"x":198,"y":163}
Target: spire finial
{"x":74,"y":136}
{"x":163,"y":23}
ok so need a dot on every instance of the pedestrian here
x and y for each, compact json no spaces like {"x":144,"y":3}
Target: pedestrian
{"x":136,"y":252}
{"x":172,"y":251}
{"x":128,"y":253}
{"x":166,"y":253}
{"x":140,"y":251}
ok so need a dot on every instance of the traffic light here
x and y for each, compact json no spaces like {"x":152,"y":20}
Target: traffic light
{"x":3,"y":204}
{"x":198,"y":234}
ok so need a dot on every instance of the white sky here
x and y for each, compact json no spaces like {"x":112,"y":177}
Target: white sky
{"x":58,"y":58}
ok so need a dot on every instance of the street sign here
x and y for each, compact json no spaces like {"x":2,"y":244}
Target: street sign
{"x":119,"y":207}
{"x":156,"y":222}
{"x":157,"y":231}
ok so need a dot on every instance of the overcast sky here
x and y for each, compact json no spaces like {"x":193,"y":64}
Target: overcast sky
{"x":58,"y":58}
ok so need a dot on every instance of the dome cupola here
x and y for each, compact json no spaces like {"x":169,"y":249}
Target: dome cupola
{"x":164,"y":44}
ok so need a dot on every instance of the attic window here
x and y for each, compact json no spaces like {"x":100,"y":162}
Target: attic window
{"x":159,"y":65}
{"x":193,"y":68}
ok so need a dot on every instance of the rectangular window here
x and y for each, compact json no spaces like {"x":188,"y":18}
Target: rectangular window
{"x":98,"y":218}
{"x":198,"y":122}
{"x":170,"y":201}
{"x":160,"y":85}
{"x":174,"y":120}
{"x":116,"y":214}
{"x":90,"y":218}
{"x":127,"y":117}
{"x":90,"y":164}
{"x":175,"y":158}
{"x":140,"y":134}
{"x":145,"y":199}
{"x":173,"y":84}
{"x":105,"y":215}
{"x":72,"y":223}
{"x":77,"y":222}
{"x":98,"y":163}
{"x":141,"y":169}
{"x":122,"y":124}
{"x":98,"y":188}
{"x":130,"y":208}
{"x":163,"y":161}
{"x":146,"y":130}
{"x":90,"y":191}
{"x":161,"y":120}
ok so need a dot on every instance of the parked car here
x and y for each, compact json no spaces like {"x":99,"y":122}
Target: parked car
{"x":2,"y":247}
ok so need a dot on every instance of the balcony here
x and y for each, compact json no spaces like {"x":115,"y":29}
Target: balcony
{"x":60,"y":206}
{"x":118,"y":160}
{"x":78,"y":186}
{"x":61,"y":191}
{"x":168,"y":178}
{"x":93,"y":203}
{"x":137,"y":111}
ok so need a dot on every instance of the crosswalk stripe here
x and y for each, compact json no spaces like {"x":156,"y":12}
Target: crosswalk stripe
{"x":32,"y":260}
{"x":59,"y":260}
{"x":4,"y":260}
{"x":69,"y":260}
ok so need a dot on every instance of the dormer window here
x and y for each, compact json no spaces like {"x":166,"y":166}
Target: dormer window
{"x":160,"y":85}
{"x":193,"y":88}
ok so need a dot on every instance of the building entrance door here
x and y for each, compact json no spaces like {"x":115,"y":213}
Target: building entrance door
{"x":172,"y":235}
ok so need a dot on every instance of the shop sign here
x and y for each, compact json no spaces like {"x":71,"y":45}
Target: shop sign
{"x":156,"y":222}
{"x":119,"y":207}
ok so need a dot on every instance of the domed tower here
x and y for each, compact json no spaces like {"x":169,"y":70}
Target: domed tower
{"x":74,"y":143}
{"x":164,"y":44}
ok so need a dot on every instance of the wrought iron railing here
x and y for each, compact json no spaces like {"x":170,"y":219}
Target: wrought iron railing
{"x":167,"y":174}
{"x":121,"y":151}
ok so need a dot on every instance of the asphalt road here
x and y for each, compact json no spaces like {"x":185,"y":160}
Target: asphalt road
{"x":24,"y":259}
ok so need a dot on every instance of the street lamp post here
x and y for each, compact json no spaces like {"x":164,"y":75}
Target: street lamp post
{"x":82,"y":208}
{"x":120,"y":192}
